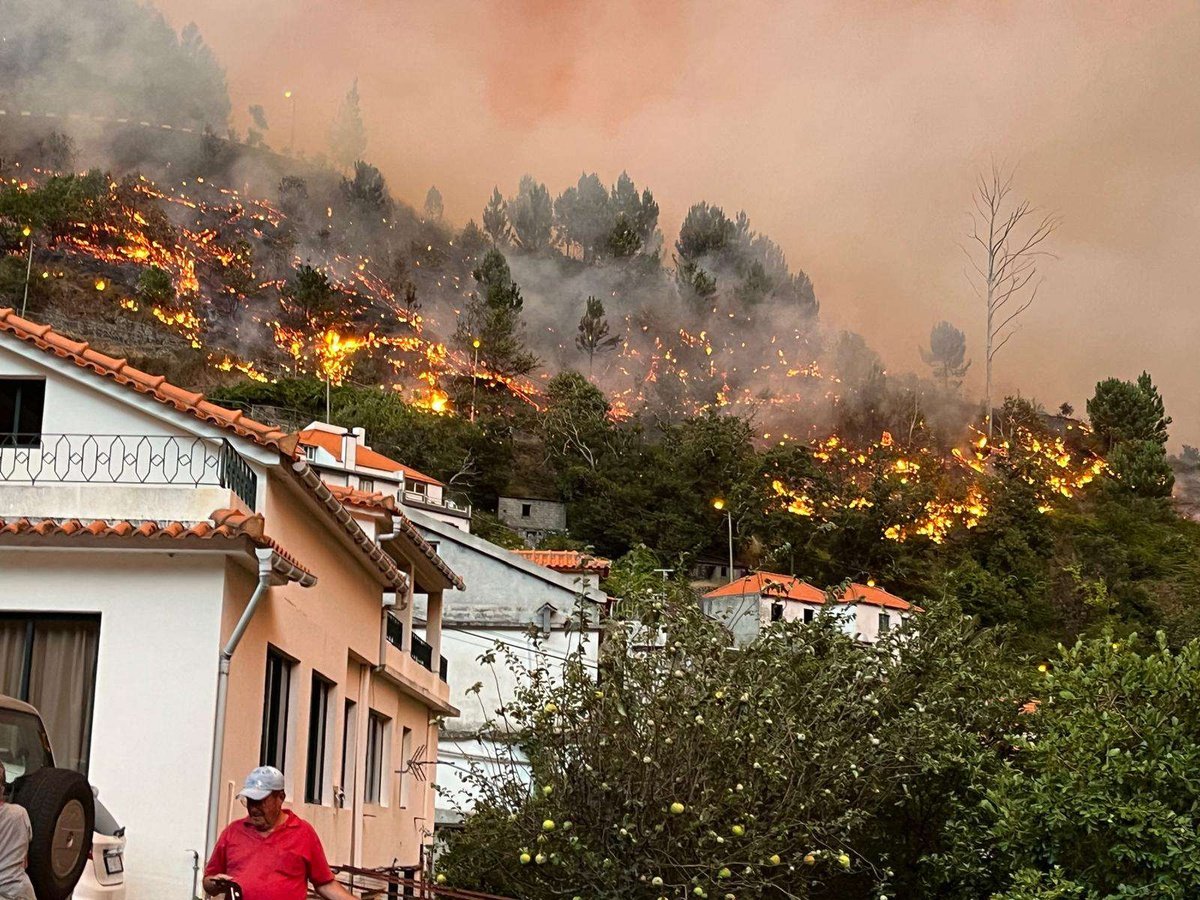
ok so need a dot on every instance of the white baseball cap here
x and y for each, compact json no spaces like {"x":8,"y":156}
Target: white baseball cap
{"x":262,"y":782}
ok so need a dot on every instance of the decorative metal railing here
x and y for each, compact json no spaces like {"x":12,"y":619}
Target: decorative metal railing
{"x":141,"y":459}
{"x":422,"y":652}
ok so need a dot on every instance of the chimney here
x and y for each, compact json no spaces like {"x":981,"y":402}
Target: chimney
{"x":356,"y":438}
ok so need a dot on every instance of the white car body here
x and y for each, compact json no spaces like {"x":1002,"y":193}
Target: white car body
{"x":104,"y":878}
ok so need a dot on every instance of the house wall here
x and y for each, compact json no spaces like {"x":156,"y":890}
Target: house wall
{"x":544,"y":515}
{"x":332,"y":628}
{"x":741,"y":614}
{"x":503,"y":598}
{"x":156,"y":678}
{"x":79,"y":409}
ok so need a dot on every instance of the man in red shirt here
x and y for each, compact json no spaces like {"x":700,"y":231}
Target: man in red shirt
{"x":272,"y":853}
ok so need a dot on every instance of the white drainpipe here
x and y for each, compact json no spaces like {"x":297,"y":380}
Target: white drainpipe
{"x":265,"y":576}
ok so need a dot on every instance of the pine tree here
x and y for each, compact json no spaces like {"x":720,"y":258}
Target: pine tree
{"x":347,"y":136}
{"x":947,"y":354}
{"x":434,"y":207}
{"x":495,"y":219}
{"x":593,"y":332}
{"x":493,"y":318}
{"x":532,"y":214}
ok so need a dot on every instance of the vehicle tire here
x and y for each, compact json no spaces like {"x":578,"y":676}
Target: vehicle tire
{"x":62,"y":811}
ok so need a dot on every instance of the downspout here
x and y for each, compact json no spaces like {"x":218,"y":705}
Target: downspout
{"x":265,"y":575}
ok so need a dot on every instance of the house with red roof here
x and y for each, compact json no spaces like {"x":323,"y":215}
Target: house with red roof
{"x":750,"y":604}
{"x":342,"y":457}
{"x":184,"y":598}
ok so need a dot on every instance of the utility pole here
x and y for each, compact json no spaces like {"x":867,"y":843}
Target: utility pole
{"x":474,"y":376}
{"x":27,"y":232}
{"x":719,"y":505}
{"x":289,"y":95}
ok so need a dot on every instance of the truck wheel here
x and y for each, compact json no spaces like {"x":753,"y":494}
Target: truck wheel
{"x":62,"y":811}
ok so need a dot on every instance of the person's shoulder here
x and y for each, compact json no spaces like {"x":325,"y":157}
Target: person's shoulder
{"x":13,"y":811}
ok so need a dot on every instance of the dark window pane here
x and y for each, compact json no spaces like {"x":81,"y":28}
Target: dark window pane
{"x":21,"y":405}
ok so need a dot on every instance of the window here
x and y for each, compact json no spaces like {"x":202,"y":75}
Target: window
{"x":809,"y":614}
{"x":276,"y":695}
{"x":310,"y":451}
{"x":366,"y":484}
{"x":776,"y":612}
{"x":405,"y":765}
{"x":349,"y":742}
{"x":378,"y":730}
{"x":885,"y":622}
{"x":21,"y":403}
{"x":49,"y":661}
{"x":318,"y":743}
{"x":526,"y":510}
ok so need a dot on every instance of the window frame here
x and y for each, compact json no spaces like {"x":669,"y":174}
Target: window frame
{"x":274,"y":736}
{"x":377,"y":759}
{"x":317,"y":768}
{"x":349,"y":748}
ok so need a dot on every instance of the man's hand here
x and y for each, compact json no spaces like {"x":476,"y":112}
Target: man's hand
{"x":333,"y":890}
{"x":215,"y":884}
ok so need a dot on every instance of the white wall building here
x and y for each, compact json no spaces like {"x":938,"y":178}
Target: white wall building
{"x":139,"y":523}
{"x":342,"y":457}
{"x":750,"y":604}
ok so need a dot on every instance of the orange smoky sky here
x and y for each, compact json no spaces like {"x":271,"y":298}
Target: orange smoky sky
{"x":850,"y":132}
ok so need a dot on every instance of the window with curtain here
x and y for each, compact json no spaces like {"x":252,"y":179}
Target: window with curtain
{"x":49,"y":661}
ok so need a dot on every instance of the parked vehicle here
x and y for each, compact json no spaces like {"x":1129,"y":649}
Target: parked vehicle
{"x":77,"y":844}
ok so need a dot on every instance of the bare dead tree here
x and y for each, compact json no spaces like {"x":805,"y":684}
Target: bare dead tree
{"x":1006,"y":243}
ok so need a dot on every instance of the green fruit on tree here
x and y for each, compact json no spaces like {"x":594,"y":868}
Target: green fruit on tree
{"x":656,"y":881}
{"x":724,"y":873}
{"x":441,"y":879}
{"x":676,"y":808}
{"x":548,"y":789}
{"x":844,"y":860}
{"x":525,"y":858}
{"x":540,"y":858}
{"x":774,"y":859}
{"x":548,"y":825}
{"x":809,"y":859}
{"x":738,"y":830}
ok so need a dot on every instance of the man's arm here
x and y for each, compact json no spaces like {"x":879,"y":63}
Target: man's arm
{"x":333,"y":890}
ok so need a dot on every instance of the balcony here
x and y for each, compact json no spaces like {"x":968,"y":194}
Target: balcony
{"x":133,"y":459}
{"x":422,"y":652}
{"x":455,"y":505}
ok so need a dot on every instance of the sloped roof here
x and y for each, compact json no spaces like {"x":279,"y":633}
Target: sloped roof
{"x":372,"y":459}
{"x":223,"y":525}
{"x":876,"y":596}
{"x":771,"y":584}
{"x":155,"y":386}
{"x":385,"y":503}
{"x":567,"y":561}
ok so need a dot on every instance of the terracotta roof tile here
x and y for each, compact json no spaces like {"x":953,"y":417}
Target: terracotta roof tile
{"x":385,"y":503}
{"x":377,"y":501}
{"x":372,"y":459}
{"x":771,"y":584}
{"x":223,"y":524}
{"x":567,"y":561}
{"x":46,"y":338}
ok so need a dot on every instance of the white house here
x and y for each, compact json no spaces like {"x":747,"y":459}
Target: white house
{"x":183,"y":599}
{"x":750,"y":604}
{"x":342,"y":457}
{"x":507,"y":599}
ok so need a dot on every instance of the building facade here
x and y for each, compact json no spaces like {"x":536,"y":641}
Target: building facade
{"x":341,"y":456}
{"x":751,"y":604}
{"x":539,"y":614}
{"x":532,"y":518}
{"x":188,"y":600}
